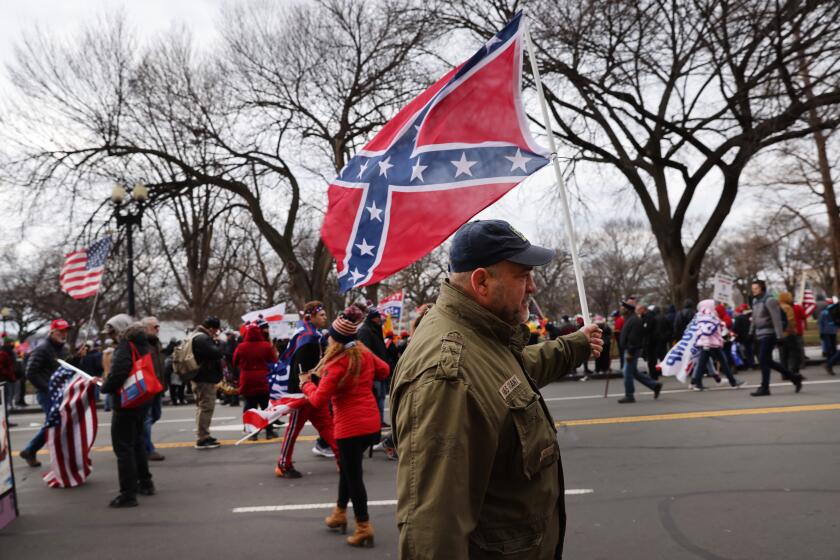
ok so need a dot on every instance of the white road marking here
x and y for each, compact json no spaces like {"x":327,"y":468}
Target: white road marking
{"x":34,"y":426}
{"x":298,"y":507}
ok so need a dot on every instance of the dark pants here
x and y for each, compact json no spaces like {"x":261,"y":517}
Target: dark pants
{"x":631,"y":372}
{"x":176,"y":393}
{"x":255,"y":401}
{"x":351,"y":487}
{"x":153,"y":416}
{"x":829,"y":344}
{"x":765,"y":360}
{"x":620,"y":352}
{"x":703,"y":363}
{"x":129,"y":446}
{"x":41,"y":437}
{"x":789,"y":354}
{"x":747,"y":351}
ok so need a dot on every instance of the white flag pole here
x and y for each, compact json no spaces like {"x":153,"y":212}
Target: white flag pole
{"x":570,"y":229}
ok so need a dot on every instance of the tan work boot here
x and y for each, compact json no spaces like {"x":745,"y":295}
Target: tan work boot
{"x":337,"y":519}
{"x":363,"y":536}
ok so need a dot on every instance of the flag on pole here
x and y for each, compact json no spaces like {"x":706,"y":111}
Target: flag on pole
{"x":255,"y":419}
{"x":681,"y":360}
{"x":81,"y":274}
{"x":451,"y":152}
{"x":392,"y":305}
{"x":71,"y":427}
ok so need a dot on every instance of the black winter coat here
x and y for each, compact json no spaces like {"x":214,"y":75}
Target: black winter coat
{"x":43,"y":361}
{"x":121,"y":365}
{"x":633,"y":333}
{"x":209,"y":356}
{"x":370,"y":334}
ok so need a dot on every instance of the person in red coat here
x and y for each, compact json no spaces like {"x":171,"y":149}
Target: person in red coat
{"x":348,"y":370}
{"x":252,"y":357}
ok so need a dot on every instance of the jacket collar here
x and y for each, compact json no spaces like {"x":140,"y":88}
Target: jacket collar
{"x":456,"y":303}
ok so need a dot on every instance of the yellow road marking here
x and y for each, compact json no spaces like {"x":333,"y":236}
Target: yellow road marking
{"x":178,"y":444}
{"x":565,"y":423}
{"x":702,"y":414}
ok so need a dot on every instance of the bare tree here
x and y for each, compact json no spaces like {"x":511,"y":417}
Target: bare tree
{"x":678,"y":96}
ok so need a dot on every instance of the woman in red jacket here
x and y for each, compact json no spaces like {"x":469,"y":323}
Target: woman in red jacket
{"x":252,"y":357}
{"x":348,"y":371}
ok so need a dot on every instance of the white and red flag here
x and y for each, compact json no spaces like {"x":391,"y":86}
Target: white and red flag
{"x":81,"y":274}
{"x":451,"y":152}
{"x":255,"y":419}
{"x":392,"y":305}
{"x":71,"y":427}
{"x":809,"y":303}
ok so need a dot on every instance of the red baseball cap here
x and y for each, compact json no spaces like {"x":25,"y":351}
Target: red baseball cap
{"x":59,"y":325}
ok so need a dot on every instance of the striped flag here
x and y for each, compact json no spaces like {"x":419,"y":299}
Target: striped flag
{"x":808,"y":302}
{"x":254,"y":419}
{"x":71,"y":428}
{"x":82,"y":271}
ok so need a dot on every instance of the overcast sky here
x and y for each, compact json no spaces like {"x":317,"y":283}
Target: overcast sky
{"x":532,"y":207}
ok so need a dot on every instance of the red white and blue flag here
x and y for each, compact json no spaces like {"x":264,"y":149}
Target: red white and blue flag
{"x":81,"y":274}
{"x":392,"y":305}
{"x":809,"y":303}
{"x":451,"y":152}
{"x":71,"y":428}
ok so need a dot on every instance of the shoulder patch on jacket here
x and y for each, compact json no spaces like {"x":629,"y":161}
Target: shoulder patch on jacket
{"x":508,"y":386}
{"x":449,"y":364}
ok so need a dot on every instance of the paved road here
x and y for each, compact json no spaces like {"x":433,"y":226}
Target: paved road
{"x":712,"y":475}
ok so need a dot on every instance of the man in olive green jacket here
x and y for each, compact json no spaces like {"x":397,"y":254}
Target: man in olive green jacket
{"x":479,"y":474}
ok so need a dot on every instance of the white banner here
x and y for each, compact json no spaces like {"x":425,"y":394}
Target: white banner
{"x":681,"y":360}
{"x":278,"y":327}
{"x":724,"y":288}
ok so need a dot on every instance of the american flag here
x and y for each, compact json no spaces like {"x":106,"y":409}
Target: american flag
{"x":82,"y":271}
{"x":451,"y":152}
{"x":71,"y":428}
{"x":808,"y":302}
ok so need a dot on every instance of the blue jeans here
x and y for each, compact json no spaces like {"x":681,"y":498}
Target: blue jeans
{"x":631,"y":372}
{"x":765,"y":360}
{"x":152,"y":417}
{"x":41,"y":437}
{"x":703,"y":364}
{"x":829,"y":344}
{"x":381,"y":390}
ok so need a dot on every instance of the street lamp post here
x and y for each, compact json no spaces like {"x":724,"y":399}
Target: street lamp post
{"x":129,"y":213}
{"x":5,"y":313}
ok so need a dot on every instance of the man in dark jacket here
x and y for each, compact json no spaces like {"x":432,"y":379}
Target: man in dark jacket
{"x":633,"y":340}
{"x":151,"y":327}
{"x":41,"y":365}
{"x":127,"y":424}
{"x":741,"y":329}
{"x":370,"y":334}
{"x":683,"y":318}
{"x":209,"y":356}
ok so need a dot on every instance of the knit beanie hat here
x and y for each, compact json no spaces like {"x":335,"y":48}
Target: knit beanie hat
{"x":345,"y":326}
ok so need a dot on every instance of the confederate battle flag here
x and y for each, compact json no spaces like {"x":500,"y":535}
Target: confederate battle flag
{"x":454,"y":150}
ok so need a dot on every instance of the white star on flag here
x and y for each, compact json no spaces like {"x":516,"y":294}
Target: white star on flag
{"x":355,"y":275}
{"x":363,"y":168}
{"x":463,"y":165}
{"x":518,"y":161}
{"x":365,"y":249}
{"x":384,"y":166}
{"x":375,"y":213}
{"x":417,"y":170}
{"x":489,"y":44}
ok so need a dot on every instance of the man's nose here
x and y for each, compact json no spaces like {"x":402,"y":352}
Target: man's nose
{"x":531,"y":286}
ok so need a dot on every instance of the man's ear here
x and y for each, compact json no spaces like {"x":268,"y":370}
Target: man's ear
{"x":479,"y":281}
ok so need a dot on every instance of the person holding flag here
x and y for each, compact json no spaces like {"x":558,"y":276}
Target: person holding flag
{"x":128,"y":424}
{"x":302,"y":355}
{"x":348,"y":371}
{"x":39,"y":369}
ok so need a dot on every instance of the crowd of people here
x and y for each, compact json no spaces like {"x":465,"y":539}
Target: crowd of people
{"x":340,"y":372}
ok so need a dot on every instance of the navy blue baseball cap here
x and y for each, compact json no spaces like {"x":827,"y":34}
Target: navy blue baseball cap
{"x":484,"y":243}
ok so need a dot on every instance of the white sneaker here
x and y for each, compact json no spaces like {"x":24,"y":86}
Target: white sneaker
{"x":321,"y":452}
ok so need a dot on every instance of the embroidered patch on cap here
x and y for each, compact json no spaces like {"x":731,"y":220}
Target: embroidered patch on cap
{"x":508,"y":386}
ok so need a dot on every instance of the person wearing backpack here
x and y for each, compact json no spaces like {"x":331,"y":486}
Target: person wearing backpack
{"x":128,"y":424}
{"x":768,"y":329}
{"x":789,"y":350}
{"x":208,"y":355}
